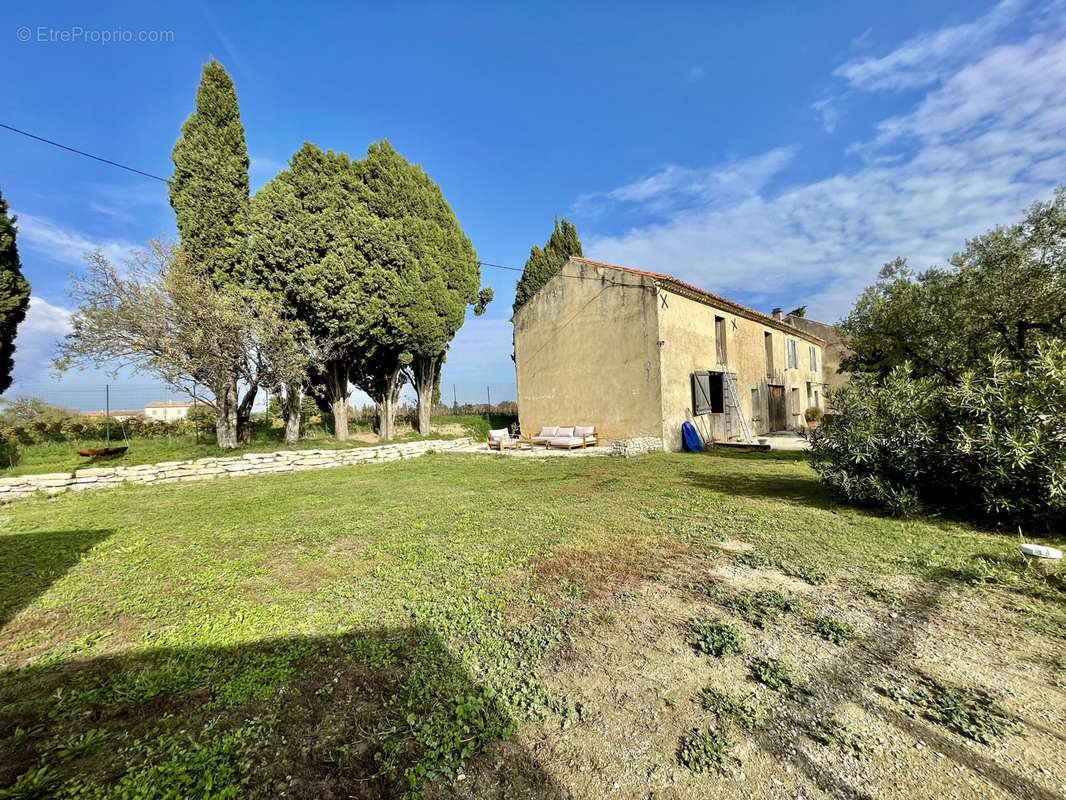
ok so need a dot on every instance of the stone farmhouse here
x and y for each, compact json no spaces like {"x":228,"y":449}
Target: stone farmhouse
{"x":638,"y":353}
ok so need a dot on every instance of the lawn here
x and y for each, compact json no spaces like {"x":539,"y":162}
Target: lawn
{"x":62,"y":456}
{"x":479,"y":626}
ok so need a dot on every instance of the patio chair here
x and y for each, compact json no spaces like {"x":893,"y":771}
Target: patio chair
{"x":547,"y":432}
{"x":501,"y":440}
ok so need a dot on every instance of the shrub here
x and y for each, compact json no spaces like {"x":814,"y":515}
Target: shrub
{"x":992,"y":445}
{"x":704,"y":751}
{"x":813,"y":414}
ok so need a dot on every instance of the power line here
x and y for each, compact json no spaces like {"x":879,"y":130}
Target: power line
{"x":83,"y":153}
{"x":165,"y":180}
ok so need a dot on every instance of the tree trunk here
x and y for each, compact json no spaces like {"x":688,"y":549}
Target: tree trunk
{"x":244,"y":414}
{"x":424,"y":372}
{"x":390,"y":400}
{"x":291,"y":410}
{"x":339,"y":408}
{"x":331,"y":393}
{"x":226,"y":415}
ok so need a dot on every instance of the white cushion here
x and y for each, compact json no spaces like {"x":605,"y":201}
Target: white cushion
{"x":548,"y":430}
{"x":500,"y":433}
{"x":583,"y":430}
{"x":565,"y":432}
{"x":565,"y":441}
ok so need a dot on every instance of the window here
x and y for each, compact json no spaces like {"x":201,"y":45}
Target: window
{"x":756,"y":407}
{"x":719,"y":338}
{"x":768,"y":341}
{"x":792,"y":353}
{"x":817,"y":402}
{"x":814,"y":358}
{"x":810,"y":394}
{"x":796,"y":401}
{"x":708,"y":393}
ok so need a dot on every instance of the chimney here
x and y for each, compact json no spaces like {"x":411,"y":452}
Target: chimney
{"x":777,"y":313}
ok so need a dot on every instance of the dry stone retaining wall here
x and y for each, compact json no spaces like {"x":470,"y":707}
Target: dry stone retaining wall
{"x":210,"y":468}
{"x":627,"y":448}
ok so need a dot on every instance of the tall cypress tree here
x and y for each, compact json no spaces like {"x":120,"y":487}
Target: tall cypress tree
{"x":14,"y":294}
{"x":544,"y":262}
{"x":209,"y":188}
{"x":209,"y":195}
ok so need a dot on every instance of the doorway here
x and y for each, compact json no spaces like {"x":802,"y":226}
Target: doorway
{"x":776,"y":408}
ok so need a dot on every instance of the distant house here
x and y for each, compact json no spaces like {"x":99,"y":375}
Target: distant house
{"x":638,"y":353}
{"x":169,"y":410}
{"x":121,"y":414}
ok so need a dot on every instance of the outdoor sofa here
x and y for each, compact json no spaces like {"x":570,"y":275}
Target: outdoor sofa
{"x":566,"y":437}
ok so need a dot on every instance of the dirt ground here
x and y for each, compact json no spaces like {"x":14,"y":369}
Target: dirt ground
{"x":635,"y":680}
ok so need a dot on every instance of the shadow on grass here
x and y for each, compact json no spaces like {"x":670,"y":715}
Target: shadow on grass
{"x":794,"y":489}
{"x":372,"y":714}
{"x":31,"y":562}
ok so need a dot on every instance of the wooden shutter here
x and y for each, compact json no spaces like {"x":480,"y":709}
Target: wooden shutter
{"x":701,"y":393}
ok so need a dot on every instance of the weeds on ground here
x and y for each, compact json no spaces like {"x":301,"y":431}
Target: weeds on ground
{"x":834,"y":733}
{"x":760,"y":559}
{"x":714,"y":637}
{"x":778,"y":676}
{"x":968,"y":711}
{"x":725,"y":706}
{"x":762,"y":607}
{"x":708,"y":588}
{"x":833,"y":630}
{"x":705,"y":751}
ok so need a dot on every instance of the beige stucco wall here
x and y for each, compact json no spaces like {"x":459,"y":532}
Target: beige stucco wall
{"x":586,"y":353}
{"x":834,"y":349}
{"x":686,"y":328}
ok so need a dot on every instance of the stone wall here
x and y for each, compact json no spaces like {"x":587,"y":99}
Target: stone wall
{"x":210,"y":468}
{"x":627,"y":448}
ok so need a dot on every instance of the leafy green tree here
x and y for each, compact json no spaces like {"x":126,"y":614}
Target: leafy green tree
{"x":440,"y":276}
{"x":311,"y":243}
{"x":14,"y":294}
{"x":209,"y":195}
{"x":544,"y":262}
{"x":1005,"y":292}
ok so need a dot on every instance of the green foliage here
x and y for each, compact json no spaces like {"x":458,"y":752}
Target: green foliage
{"x":768,"y":559}
{"x":813,"y":414}
{"x":832,"y":629}
{"x":777,"y":675}
{"x":14,"y":294}
{"x":989,"y":445}
{"x":761,"y":608}
{"x":544,"y":262}
{"x":209,"y":188}
{"x":834,"y":733}
{"x":705,"y":750}
{"x":1004,"y":293}
{"x":729,"y":708}
{"x":714,"y":637}
{"x":969,"y":711}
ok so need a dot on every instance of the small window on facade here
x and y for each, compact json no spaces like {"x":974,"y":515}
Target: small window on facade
{"x":814,"y":358}
{"x":719,"y":338}
{"x":817,"y":401}
{"x":768,"y":341}
{"x":810,"y":393}
{"x":795,"y":401}
{"x":708,"y":393}
{"x":793,"y":354}
{"x":756,"y":408}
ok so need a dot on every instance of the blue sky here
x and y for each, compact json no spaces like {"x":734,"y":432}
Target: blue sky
{"x":777,"y":153}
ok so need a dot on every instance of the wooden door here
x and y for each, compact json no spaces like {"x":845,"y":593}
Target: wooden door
{"x":776,"y":403}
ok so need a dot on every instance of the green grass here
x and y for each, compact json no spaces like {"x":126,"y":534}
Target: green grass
{"x":832,"y":629}
{"x":368,"y":630}
{"x":715,"y":638}
{"x":728,"y":708}
{"x":44,"y":457}
{"x":705,"y":751}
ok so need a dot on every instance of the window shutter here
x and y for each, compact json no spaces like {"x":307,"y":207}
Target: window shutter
{"x":701,"y":393}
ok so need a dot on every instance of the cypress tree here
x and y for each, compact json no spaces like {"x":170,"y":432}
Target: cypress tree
{"x":209,"y":188}
{"x":544,"y":262}
{"x":14,"y":294}
{"x":209,"y":195}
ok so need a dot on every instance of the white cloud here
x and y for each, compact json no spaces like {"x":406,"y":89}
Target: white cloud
{"x":35,"y":343}
{"x":828,"y":113}
{"x":49,"y":239}
{"x":922,"y":60}
{"x":983,"y":143}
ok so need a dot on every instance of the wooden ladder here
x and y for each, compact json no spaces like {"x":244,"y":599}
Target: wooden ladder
{"x":730,"y":380}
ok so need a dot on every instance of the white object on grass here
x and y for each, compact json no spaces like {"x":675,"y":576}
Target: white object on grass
{"x":1040,"y":551}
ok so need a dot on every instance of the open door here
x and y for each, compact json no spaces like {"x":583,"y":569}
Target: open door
{"x":776,"y":402}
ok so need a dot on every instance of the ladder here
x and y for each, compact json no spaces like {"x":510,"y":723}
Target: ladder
{"x":730,"y":380}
